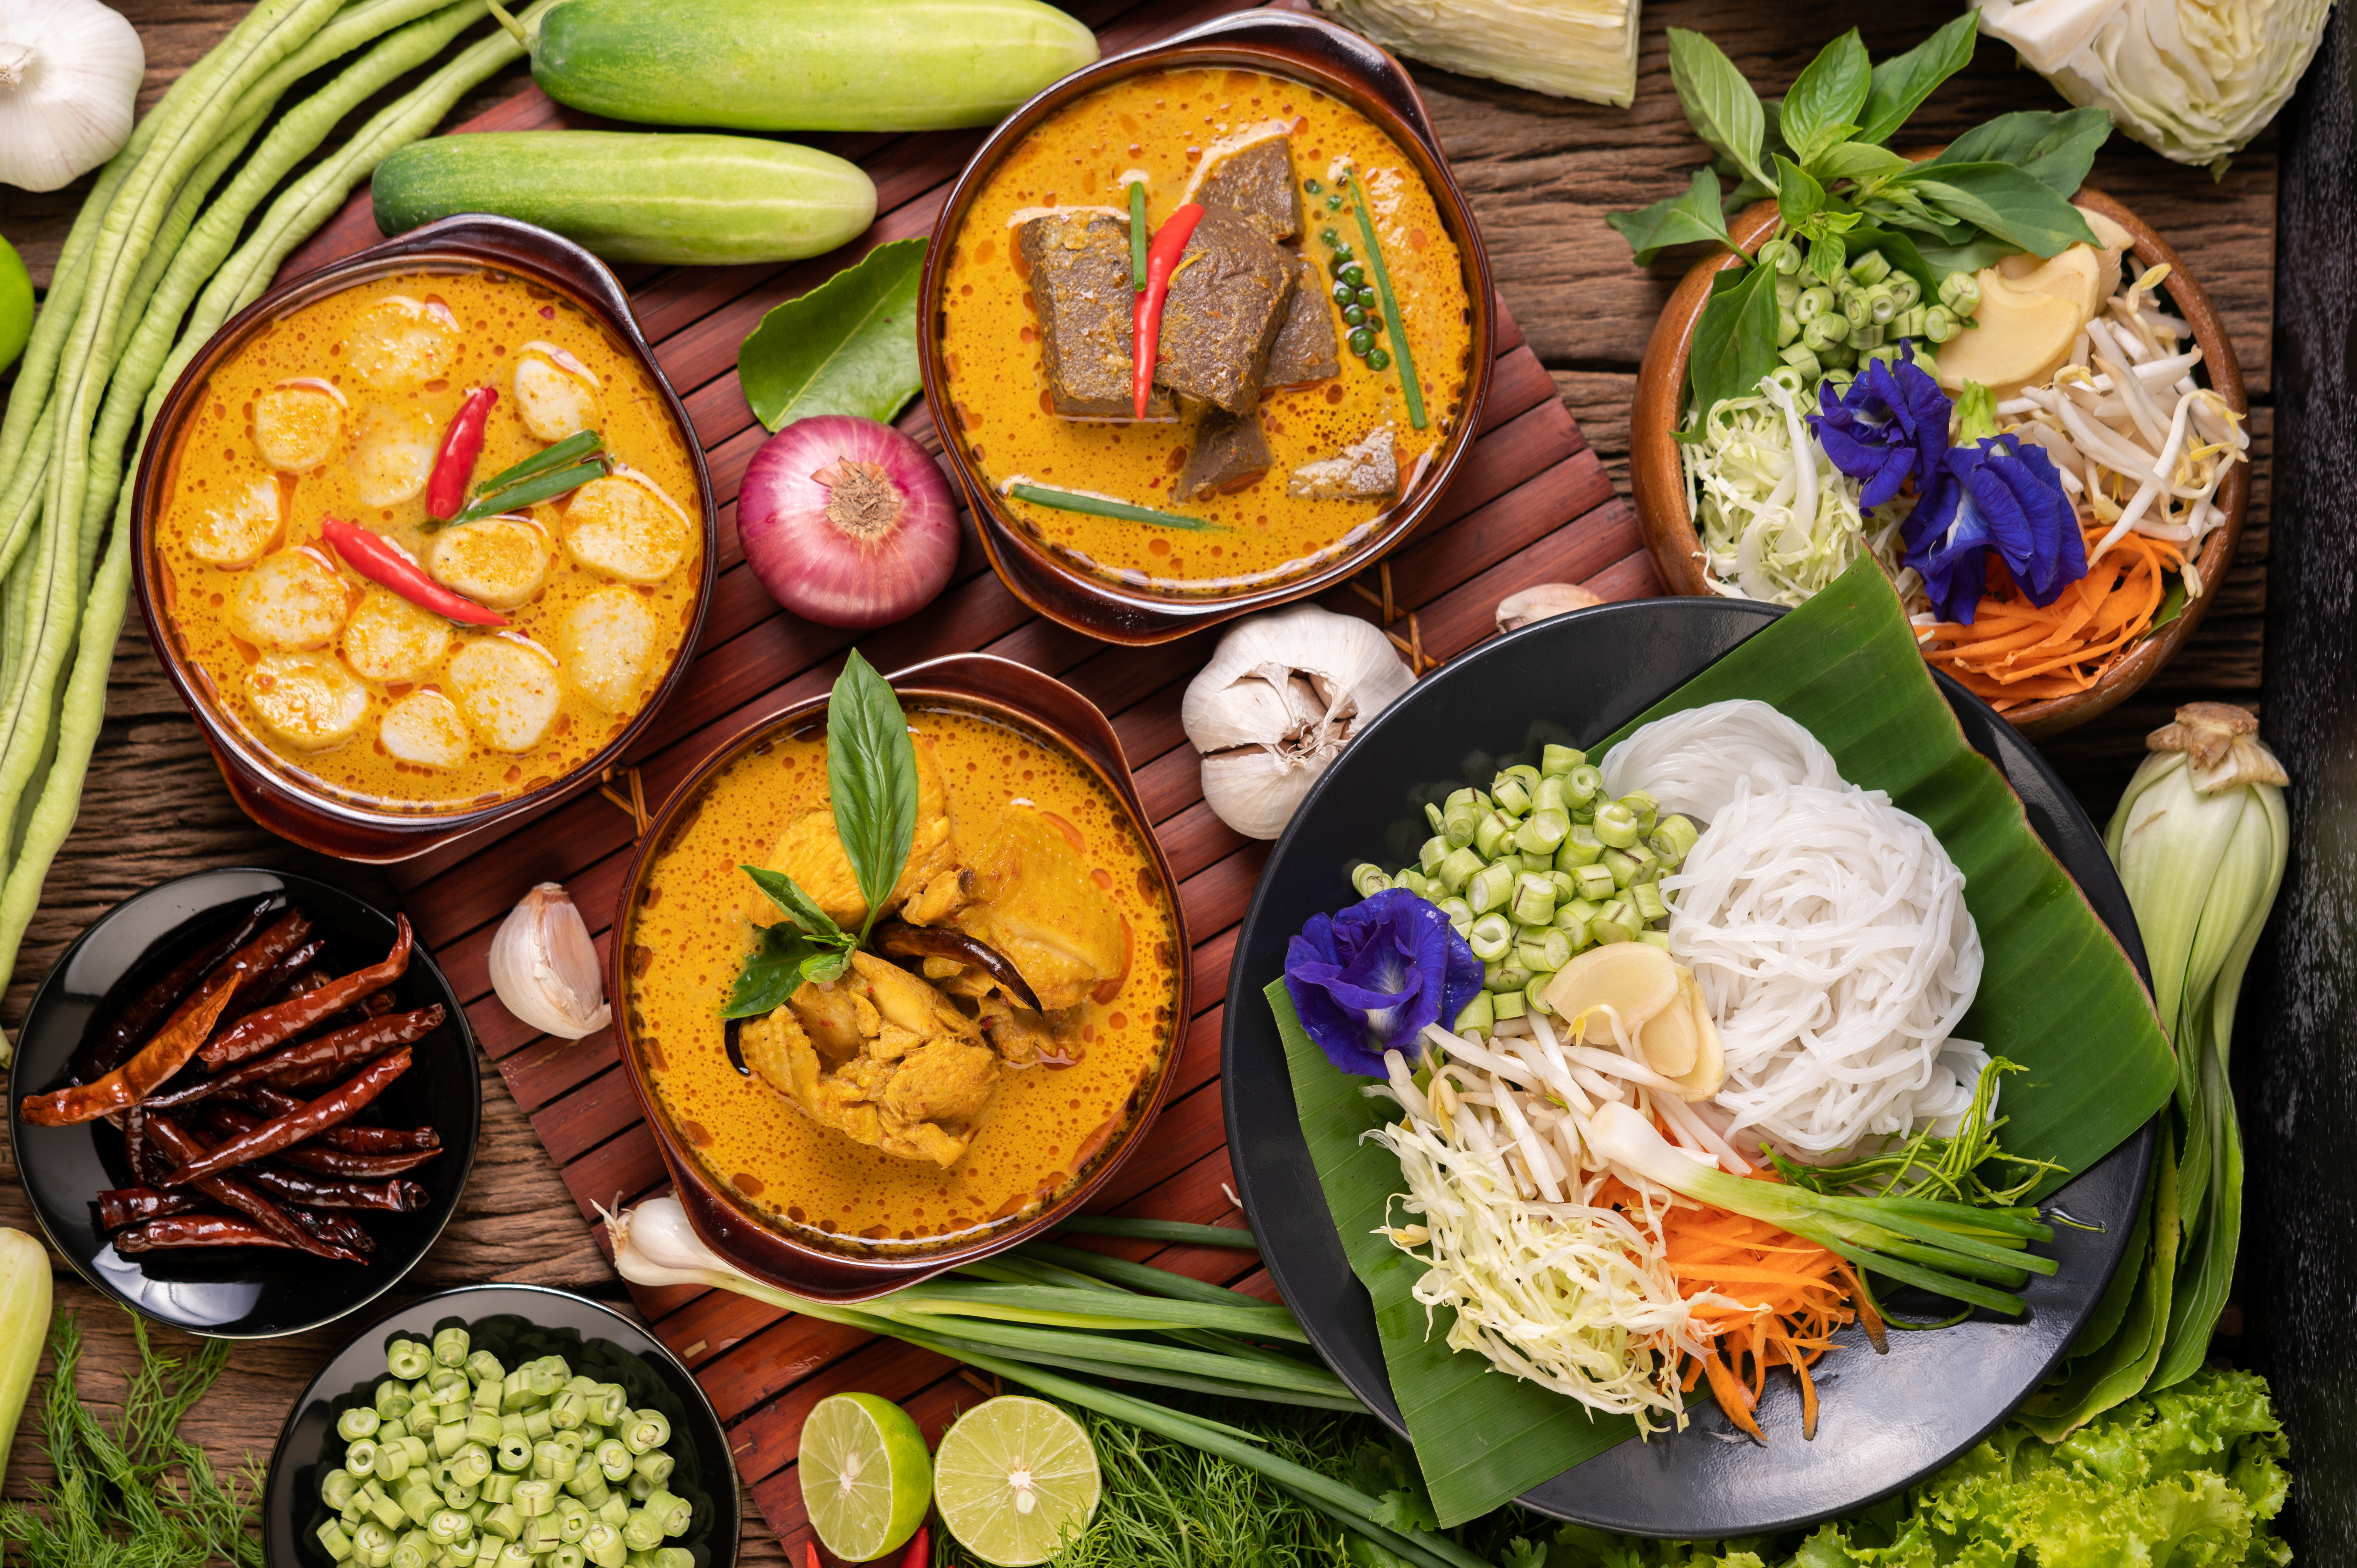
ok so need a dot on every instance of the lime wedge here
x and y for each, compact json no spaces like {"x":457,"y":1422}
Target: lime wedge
{"x":865,"y":1479}
{"x":1014,"y":1479}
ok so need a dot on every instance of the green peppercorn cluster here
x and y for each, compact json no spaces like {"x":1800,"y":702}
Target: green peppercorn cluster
{"x":461,"y":1463}
{"x":1353,"y":290}
{"x":1538,"y":868}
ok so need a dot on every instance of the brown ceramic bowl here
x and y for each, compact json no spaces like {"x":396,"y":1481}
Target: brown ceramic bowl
{"x":1281,"y":43}
{"x":1008,"y":693}
{"x":271,"y":793}
{"x":1658,"y":479}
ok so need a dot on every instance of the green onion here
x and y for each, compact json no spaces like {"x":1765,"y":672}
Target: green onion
{"x":1097,"y":506}
{"x":1946,"y":1247}
{"x":1175,"y":1232}
{"x":1391,"y":323}
{"x":1138,"y":235}
{"x":545,"y":475}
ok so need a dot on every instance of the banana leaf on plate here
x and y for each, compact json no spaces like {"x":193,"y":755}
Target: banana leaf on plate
{"x":2058,"y":995}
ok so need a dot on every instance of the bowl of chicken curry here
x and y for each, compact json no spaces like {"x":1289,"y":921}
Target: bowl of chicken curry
{"x":869,"y":1056}
{"x":424,"y":538}
{"x":1208,"y":327}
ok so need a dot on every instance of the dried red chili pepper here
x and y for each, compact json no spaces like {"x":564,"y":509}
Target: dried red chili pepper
{"x":387,"y":564}
{"x":273,"y":1102}
{"x":320,"y":1059}
{"x":124,"y":1206}
{"x":1161,"y":261}
{"x":154,"y":1062}
{"x":445,"y":492}
{"x":138,"y":1020}
{"x":270,"y":986}
{"x":335,"y":1230}
{"x":395,"y":1196}
{"x":184,"y":1147}
{"x":332,"y":1109}
{"x":257,"y":1032}
{"x":228,"y":1122}
{"x":174,"y":1231}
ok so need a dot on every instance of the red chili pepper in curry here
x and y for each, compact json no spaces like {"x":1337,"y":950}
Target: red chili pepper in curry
{"x":445,"y":490}
{"x":388,"y":565}
{"x":1161,"y":261}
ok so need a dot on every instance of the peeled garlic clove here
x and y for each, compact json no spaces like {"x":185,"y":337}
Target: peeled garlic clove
{"x":544,"y":968}
{"x":1524,"y":605}
{"x":1283,"y":694}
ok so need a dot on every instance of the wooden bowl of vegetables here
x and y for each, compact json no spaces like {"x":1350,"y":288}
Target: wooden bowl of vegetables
{"x":2037,"y":705}
{"x":423,"y":539}
{"x":1261,"y":204}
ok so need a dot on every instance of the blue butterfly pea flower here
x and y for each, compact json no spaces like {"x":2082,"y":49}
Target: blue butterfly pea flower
{"x":1376,"y":974}
{"x":1890,"y":425}
{"x":1995,"y":495}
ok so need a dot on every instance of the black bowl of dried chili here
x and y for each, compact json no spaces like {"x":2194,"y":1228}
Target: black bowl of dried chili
{"x":304,"y":1005}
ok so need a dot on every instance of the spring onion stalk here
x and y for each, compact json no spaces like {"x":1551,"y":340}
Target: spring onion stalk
{"x":654,"y":1246}
{"x":2200,"y":839}
{"x":1393,"y":327}
{"x":1944,"y":1247}
{"x":1105,"y":505}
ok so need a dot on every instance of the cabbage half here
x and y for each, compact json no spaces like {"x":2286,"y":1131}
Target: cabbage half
{"x":2194,"y":80}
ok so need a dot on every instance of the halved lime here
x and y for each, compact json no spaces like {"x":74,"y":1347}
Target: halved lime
{"x":865,"y":1479}
{"x":1014,"y":1478}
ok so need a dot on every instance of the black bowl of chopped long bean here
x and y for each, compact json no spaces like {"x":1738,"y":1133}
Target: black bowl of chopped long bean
{"x":244,"y":1103}
{"x":648,"y":1460}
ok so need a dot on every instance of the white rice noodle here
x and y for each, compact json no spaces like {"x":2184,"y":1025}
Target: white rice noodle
{"x":1693,"y":762}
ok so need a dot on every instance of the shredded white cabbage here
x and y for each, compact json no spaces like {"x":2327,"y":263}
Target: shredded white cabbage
{"x":1771,"y":528}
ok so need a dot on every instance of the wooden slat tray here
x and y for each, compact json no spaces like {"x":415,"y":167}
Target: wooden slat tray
{"x":1532,"y":505}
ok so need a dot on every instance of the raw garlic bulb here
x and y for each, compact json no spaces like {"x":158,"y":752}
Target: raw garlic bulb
{"x":544,"y":969}
{"x":1523,"y":605}
{"x":1279,"y":701}
{"x":69,"y":72}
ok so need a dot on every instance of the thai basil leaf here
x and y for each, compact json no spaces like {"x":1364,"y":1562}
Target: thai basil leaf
{"x":1900,"y":84}
{"x":1899,"y":204}
{"x":1720,"y":104}
{"x":871,"y":770}
{"x":1675,"y":220}
{"x":1900,"y":251}
{"x":1859,"y":161}
{"x":1798,"y":197}
{"x":2010,"y":203}
{"x":2056,"y":148}
{"x":786,"y":895}
{"x":1735,"y":341}
{"x":776,"y":969}
{"x":1969,"y":256}
{"x":1828,"y":257}
{"x":1823,"y":103}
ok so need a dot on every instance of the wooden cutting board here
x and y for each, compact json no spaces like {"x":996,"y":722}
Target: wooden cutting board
{"x":1532,"y":505}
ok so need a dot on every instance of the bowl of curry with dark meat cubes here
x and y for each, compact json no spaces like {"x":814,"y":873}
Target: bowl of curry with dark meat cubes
{"x":1259,"y":213}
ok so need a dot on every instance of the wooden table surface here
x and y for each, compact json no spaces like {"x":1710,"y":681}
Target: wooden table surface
{"x":1541,"y":174}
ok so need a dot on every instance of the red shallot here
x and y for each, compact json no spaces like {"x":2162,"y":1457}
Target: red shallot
{"x":847,"y":522}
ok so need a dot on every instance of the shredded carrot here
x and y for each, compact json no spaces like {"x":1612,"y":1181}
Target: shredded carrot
{"x":2015,"y":652}
{"x":1791,"y":1296}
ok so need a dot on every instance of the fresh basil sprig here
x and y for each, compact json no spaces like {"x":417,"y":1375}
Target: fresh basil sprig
{"x":871,"y":776}
{"x":2001,"y":188}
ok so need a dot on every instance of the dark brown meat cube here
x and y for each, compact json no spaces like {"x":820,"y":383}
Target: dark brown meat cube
{"x":1306,"y":348}
{"x":1228,"y":297}
{"x":1251,"y":174}
{"x":1078,"y":262}
{"x":1225,"y":453}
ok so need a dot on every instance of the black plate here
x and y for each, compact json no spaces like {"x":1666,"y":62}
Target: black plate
{"x":595,"y":1339}
{"x":241,"y":1293}
{"x":1887,"y":1419}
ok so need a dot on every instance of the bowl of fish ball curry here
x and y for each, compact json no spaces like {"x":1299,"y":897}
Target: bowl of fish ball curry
{"x":424,"y":538}
{"x":899,"y":975}
{"x":1209,"y":327}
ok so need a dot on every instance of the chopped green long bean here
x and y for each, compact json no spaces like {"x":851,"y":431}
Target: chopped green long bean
{"x":1393,"y":325}
{"x":1097,"y":506}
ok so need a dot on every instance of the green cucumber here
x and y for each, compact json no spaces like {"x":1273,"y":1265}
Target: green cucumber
{"x":805,"y":65}
{"x":680,"y":199}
